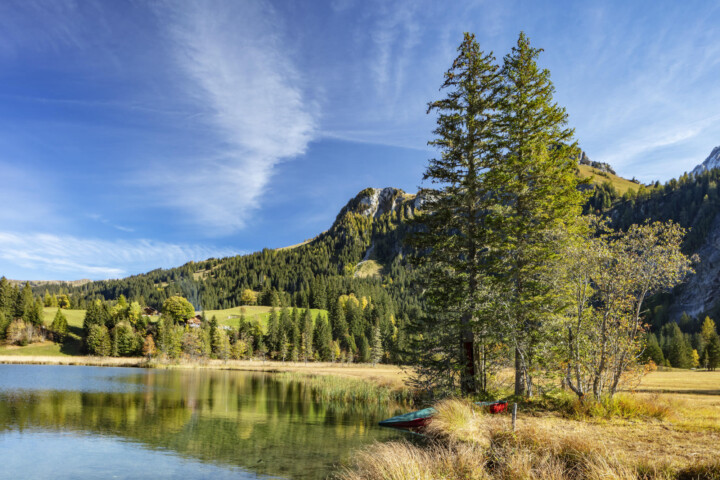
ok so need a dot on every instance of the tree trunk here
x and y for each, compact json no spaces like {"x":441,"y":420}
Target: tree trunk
{"x":519,"y":374}
{"x":467,"y":382}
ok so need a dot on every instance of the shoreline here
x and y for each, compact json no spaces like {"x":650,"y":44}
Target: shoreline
{"x":380,"y":373}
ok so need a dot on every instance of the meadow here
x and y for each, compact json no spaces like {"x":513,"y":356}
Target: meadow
{"x":597,"y":177}
{"x":231,"y":316}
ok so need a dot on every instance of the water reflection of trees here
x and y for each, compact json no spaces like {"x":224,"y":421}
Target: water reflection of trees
{"x":249,"y":420}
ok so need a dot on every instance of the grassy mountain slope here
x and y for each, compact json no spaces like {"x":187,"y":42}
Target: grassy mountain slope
{"x":597,"y":177}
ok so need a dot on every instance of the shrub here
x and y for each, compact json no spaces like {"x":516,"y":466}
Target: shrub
{"x":22,"y":333}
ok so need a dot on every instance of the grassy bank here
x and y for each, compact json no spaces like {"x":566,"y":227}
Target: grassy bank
{"x":668,"y":429}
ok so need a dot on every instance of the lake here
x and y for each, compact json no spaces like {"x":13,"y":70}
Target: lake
{"x":126,"y":423}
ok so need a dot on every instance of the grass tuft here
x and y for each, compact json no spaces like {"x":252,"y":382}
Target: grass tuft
{"x":630,"y":407}
{"x":403,"y":461}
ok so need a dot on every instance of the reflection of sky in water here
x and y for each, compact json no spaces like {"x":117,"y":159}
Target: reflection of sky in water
{"x":75,"y":378}
{"x":100,"y":457}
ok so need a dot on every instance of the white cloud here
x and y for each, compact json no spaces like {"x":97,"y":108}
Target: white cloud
{"x":247,"y":88}
{"x":625,"y":152}
{"x":59,"y":256}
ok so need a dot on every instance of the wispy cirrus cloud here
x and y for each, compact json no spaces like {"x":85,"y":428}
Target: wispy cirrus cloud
{"x":249,"y":94}
{"x":64,"y":257}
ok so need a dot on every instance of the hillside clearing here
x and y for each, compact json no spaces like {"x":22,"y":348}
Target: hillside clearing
{"x":231,"y":316}
{"x":368,"y":269}
{"x":74,"y":317}
{"x":597,"y":177}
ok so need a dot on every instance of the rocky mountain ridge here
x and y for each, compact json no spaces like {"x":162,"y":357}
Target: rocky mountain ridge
{"x":712,"y":161}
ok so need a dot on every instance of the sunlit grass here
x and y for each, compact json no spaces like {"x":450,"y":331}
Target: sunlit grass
{"x":334,"y":388}
{"x":620,"y":184}
{"x":231,"y":316}
{"x":74,"y":317}
{"x":646,"y":434}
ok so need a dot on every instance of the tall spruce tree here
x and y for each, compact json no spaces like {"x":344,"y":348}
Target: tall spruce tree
{"x":537,"y":204}
{"x":452,"y":237}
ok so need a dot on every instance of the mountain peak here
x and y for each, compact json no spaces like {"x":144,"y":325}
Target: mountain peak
{"x":712,"y":161}
{"x":374,"y":202}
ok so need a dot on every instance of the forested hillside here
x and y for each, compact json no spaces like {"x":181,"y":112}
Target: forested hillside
{"x":373,"y":225}
{"x":312,"y":275}
{"x":692,"y":201}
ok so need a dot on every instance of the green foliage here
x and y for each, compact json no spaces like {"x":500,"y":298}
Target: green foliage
{"x":450,"y":235}
{"x":677,"y":346}
{"x":125,"y":342}
{"x":377,"y":346}
{"x":169,"y":338}
{"x":653,"y":351}
{"x":4,"y":323}
{"x":98,"y":341}
{"x":713,"y":353}
{"x":178,"y":309}
{"x":322,"y":339}
{"x":59,"y":325}
{"x":97,"y":314}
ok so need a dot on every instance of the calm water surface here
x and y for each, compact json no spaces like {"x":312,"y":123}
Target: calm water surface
{"x":65,"y":422}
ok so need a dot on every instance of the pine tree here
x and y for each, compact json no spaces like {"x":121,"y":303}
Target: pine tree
{"x":678,"y":350}
{"x":96,"y":314}
{"x":537,"y":204}
{"x":322,"y":339}
{"x":25,"y":308}
{"x":377,"y":347}
{"x":215,"y":339}
{"x":307,"y":334}
{"x":365,"y":353}
{"x":272,"y":340}
{"x":451,"y":237}
{"x":6,"y":302}
{"x":4,"y":323}
{"x":713,"y":351}
{"x":653,"y":351}
{"x":98,"y":341}
{"x":59,"y":325}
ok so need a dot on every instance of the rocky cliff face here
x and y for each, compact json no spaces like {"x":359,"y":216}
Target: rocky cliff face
{"x":701,"y":292}
{"x":375,"y":202}
{"x":601,"y":166}
{"x":712,"y":161}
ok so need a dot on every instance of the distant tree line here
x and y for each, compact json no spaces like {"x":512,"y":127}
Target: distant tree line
{"x":354,"y":330}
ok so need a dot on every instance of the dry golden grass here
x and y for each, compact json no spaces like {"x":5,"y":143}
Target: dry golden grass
{"x":75,"y":360}
{"x":466,"y":444}
{"x":390,"y":376}
{"x":403,"y":461}
{"x":669,"y":428}
{"x":621,"y":185}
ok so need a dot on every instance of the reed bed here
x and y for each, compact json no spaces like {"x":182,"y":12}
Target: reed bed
{"x":336,"y":388}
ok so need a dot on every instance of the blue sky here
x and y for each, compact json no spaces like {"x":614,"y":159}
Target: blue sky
{"x":137,"y":135}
